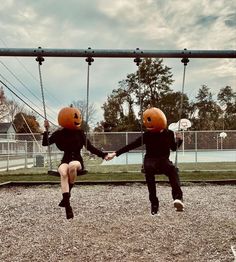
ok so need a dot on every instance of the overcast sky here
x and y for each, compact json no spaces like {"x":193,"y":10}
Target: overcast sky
{"x":120,"y":24}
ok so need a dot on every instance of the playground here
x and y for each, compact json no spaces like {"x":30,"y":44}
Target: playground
{"x":113,"y":223}
{"x":117,"y":72}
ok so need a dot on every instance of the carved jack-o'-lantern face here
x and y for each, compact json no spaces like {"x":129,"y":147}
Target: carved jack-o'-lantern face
{"x":70,"y":117}
{"x":154,"y":119}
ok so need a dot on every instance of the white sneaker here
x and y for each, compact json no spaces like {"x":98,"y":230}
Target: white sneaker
{"x":178,"y":205}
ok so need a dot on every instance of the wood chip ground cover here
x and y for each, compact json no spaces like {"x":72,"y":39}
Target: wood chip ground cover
{"x":113,"y":223}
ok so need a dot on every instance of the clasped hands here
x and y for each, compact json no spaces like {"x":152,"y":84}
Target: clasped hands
{"x":110,"y":156}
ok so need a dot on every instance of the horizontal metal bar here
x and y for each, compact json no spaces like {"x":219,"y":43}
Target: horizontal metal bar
{"x":119,"y":53}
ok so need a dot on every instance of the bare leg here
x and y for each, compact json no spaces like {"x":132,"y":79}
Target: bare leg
{"x":74,"y":166}
{"x":72,"y":169}
{"x":64,"y":173}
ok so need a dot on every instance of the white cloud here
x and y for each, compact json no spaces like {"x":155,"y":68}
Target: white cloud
{"x":122,"y":24}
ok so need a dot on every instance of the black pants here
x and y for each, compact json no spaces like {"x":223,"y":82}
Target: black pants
{"x":155,"y":166}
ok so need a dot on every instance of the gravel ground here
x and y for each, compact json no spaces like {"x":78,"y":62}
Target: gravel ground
{"x":113,"y":223}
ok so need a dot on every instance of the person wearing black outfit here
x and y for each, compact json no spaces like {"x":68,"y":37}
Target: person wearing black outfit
{"x":71,"y":141}
{"x":156,"y":161}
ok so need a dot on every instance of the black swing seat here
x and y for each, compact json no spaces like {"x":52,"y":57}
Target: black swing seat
{"x":56,"y":173}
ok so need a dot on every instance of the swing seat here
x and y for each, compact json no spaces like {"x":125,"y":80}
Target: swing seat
{"x":56,"y":173}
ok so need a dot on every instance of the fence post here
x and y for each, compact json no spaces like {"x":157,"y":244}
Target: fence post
{"x":196,"y":148}
{"x":126,"y":143}
{"x":8,"y":154}
{"x":25,"y":153}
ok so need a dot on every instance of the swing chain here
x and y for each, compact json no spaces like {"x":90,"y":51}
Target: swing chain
{"x":89,"y":60}
{"x":39,"y":59}
{"x":137,"y":60}
{"x":185,"y":60}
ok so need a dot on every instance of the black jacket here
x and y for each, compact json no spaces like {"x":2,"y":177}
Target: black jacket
{"x":71,"y":142}
{"x":158,"y":144}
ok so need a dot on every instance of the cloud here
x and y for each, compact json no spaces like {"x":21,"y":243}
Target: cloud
{"x":123,"y":24}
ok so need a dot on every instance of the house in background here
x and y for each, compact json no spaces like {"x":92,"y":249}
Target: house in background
{"x":7,"y":138}
{"x":7,"y":131}
{"x":12,"y":143}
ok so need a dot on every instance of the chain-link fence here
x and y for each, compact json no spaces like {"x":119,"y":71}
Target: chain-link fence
{"x":26,"y":150}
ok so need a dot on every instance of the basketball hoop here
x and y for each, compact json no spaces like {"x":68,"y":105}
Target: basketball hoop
{"x":173,"y":127}
{"x":223,"y":135}
{"x":184,"y":124}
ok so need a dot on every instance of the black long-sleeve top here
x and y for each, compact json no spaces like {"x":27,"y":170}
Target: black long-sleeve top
{"x":158,"y":144}
{"x":71,"y":142}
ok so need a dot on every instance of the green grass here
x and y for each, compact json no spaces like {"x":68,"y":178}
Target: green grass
{"x":125,"y":173}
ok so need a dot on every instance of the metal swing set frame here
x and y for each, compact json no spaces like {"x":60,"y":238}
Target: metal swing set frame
{"x":90,"y":54}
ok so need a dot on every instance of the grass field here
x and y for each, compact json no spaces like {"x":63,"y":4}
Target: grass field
{"x":97,"y":172}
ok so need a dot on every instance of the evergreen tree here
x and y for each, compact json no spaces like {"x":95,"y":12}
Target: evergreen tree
{"x":154,"y":81}
{"x":227,"y":100}
{"x":207,"y":112}
{"x":150,"y":85}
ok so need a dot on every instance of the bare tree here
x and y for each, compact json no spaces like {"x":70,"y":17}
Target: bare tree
{"x":82,"y":106}
{"x":8,"y":108}
{"x":3,"y":106}
{"x":13,"y":109}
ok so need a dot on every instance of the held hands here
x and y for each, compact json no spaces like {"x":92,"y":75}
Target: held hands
{"x":110,"y":156}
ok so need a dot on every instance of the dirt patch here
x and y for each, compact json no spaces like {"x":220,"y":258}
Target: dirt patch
{"x":113,"y":223}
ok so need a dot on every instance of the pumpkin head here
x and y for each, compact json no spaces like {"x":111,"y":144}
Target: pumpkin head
{"x":70,"y":117}
{"x":154,"y":119}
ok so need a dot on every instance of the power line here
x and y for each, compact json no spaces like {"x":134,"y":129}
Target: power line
{"x":8,"y":69}
{"x":36,"y":79}
{"x":24,"y":101}
{"x":17,"y":90}
{"x":32,"y":76}
{"x":17,"y":78}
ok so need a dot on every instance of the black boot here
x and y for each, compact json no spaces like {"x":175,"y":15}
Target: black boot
{"x":62,"y":203}
{"x":68,"y":208}
{"x":154,"y":208}
{"x":69,"y":212}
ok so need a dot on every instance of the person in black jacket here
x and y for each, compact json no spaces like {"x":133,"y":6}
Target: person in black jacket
{"x":158,"y":144}
{"x":71,"y":141}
